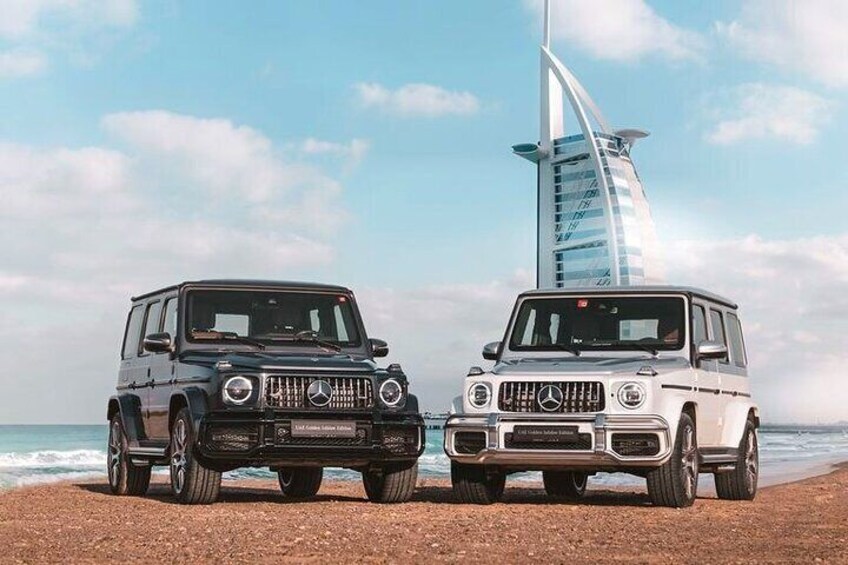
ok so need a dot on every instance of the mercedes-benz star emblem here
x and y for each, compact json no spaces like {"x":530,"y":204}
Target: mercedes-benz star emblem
{"x":319,"y":393}
{"x":550,"y":398}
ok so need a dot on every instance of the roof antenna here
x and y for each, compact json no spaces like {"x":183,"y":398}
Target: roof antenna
{"x":546,"y":30}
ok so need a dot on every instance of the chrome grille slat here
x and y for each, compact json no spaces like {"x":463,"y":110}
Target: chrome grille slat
{"x":578,"y":396}
{"x":289,"y":391}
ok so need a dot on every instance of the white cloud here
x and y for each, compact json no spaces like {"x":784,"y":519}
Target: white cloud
{"x":34,"y":27}
{"x":619,"y":30}
{"x":795,"y":312}
{"x":807,"y":37}
{"x":760,"y":111}
{"x":417,"y":100}
{"x":21,"y":63}
{"x":353,"y":152}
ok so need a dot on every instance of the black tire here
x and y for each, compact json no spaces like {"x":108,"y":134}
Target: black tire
{"x":393,"y":484}
{"x":124,"y":477}
{"x":741,"y":483}
{"x":472,"y":485}
{"x":191,"y":482}
{"x":570,"y":485}
{"x":300,"y":482}
{"x":675,"y":483}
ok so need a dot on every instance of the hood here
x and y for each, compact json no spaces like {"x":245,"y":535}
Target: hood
{"x":589,"y":365}
{"x":265,"y":361}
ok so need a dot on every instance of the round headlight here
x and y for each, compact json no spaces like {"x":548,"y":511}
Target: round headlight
{"x":479,"y":395}
{"x":391,"y":392}
{"x":631,"y":395}
{"x":237,"y":390}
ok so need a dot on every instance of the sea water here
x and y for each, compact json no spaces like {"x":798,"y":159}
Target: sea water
{"x":40,"y":454}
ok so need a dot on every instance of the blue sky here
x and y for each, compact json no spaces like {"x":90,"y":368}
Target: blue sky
{"x":367,"y":144}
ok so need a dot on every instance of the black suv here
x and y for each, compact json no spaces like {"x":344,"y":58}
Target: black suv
{"x":217,"y":375}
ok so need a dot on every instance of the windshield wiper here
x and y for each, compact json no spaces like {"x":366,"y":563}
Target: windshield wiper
{"x":310,"y":336}
{"x":228,"y":336}
{"x":652,"y":350}
{"x":570,"y":348}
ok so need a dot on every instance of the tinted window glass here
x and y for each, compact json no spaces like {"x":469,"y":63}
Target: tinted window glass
{"x":699,"y":324}
{"x":737,"y":344}
{"x":717,"y":324}
{"x":151,"y":324}
{"x":170,"y":324}
{"x":131,"y":336}
{"x":599,"y":323}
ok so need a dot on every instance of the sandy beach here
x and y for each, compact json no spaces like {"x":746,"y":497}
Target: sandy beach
{"x":805,"y":521}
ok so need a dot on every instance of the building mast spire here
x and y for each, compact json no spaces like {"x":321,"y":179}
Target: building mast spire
{"x":546,"y":30}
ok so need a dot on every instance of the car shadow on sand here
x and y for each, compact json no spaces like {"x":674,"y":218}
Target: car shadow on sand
{"x":424,"y":493}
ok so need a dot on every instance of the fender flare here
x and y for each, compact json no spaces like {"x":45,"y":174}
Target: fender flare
{"x":412,"y":403}
{"x":195,"y":400}
{"x":129,"y":408}
{"x":671,"y":409}
{"x":456,"y":406}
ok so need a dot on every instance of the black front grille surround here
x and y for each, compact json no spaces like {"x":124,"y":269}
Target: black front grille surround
{"x":289,"y":391}
{"x":577,"y":397}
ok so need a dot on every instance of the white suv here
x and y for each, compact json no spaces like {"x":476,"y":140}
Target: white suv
{"x":648,"y":380}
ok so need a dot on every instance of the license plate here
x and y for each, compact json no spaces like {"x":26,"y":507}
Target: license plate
{"x":323,"y":428}
{"x":545,"y":434}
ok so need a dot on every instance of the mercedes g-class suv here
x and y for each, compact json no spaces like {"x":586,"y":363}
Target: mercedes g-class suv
{"x":645,"y":380}
{"x":217,"y":375}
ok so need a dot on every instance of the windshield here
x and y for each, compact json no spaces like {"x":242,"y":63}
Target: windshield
{"x":271,"y":318}
{"x":599,"y":323}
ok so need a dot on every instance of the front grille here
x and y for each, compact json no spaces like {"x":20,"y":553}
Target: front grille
{"x":583,"y":442}
{"x":349,"y":393}
{"x":635,"y":445}
{"x":577,"y":397}
{"x":231,"y":437}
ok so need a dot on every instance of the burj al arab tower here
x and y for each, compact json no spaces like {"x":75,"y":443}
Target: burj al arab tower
{"x":594,"y":223}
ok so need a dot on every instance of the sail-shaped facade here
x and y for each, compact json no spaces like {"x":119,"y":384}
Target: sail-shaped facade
{"x":594,"y":222}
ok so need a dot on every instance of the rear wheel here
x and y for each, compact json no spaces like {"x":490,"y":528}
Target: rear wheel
{"x":741,"y":483}
{"x":191,"y":482}
{"x":391,"y":484}
{"x":565,"y":484}
{"x":472,"y":485}
{"x":300,"y":482}
{"x":675,"y":483}
{"x":124,"y":477}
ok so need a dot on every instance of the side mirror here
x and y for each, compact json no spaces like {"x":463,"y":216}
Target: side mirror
{"x":379,"y":348}
{"x":158,"y":343}
{"x":491,"y":351}
{"x":711,"y":350}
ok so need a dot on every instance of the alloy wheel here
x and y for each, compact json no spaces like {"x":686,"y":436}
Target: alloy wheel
{"x":689,"y":463}
{"x":115,"y":454}
{"x":752,"y":462}
{"x":179,"y":441}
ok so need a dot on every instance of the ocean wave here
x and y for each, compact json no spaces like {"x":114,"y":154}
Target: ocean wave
{"x":11,"y":480}
{"x":51,"y":458}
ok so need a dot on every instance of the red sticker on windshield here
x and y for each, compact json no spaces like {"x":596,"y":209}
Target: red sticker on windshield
{"x":583,"y":303}
{"x":342,"y":298}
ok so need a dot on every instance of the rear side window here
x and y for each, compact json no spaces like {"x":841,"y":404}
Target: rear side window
{"x":737,"y":343}
{"x":717,"y":324}
{"x":699,"y":324}
{"x":151,"y":324}
{"x":133,"y":332}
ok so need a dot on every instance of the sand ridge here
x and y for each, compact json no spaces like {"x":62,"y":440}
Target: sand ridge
{"x":805,"y":522}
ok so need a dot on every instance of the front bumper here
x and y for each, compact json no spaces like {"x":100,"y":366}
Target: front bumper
{"x":229,"y":440}
{"x":596,"y":454}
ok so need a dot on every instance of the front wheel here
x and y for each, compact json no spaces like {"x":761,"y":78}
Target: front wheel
{"x":570,"y":485}
{"x":675,"y":483}
{"x":741,"y":483}
{"x":124,"y":477}
{"x":300,"y":482}
{"x":390,"y":484}
{"x":472,"y":485}
{"x":191,"y":482}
